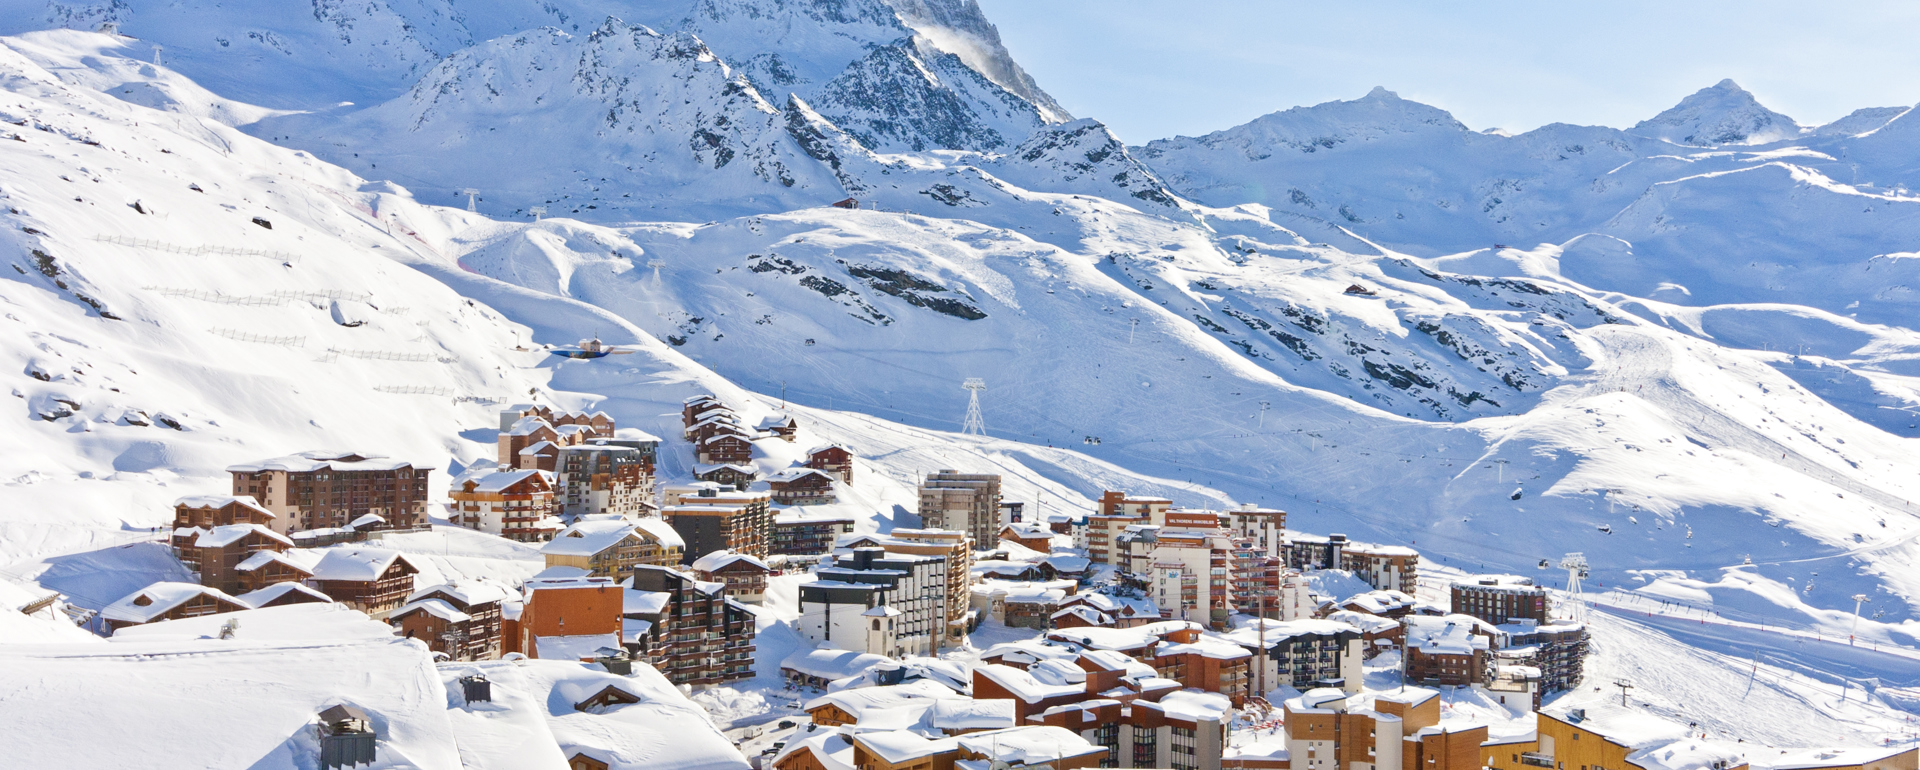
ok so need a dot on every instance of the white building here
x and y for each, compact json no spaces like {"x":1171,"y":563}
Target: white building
{"x":877,"y":602}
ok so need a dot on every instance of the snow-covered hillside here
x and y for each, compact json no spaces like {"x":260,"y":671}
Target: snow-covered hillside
{"x":1690,"y":349}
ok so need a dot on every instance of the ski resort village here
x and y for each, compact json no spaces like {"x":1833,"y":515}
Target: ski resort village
{"x":799,"y":385}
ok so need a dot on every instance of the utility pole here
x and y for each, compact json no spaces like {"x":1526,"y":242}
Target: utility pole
{"x":1624,"y":686}
{"x":1131,"y":325}
{"x":1858,"y":599}
{"x":537,"y":212}
{"x":783,"y":395}
{"x":1264,"y":406}
{"x":1264,"y":654}
{"x":470,"y":193}
{"x":1501,"y":470}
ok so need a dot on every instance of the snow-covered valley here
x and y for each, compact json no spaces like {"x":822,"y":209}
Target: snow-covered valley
{"x":1685,"y":349}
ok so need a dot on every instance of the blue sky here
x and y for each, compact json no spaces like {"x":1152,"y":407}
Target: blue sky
{"x":1155,"y":69}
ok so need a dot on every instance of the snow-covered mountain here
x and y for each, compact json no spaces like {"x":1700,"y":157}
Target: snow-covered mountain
{"x":1686,"y":357}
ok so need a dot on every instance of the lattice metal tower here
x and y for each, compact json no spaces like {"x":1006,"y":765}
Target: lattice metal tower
{"x":1576,"y":566}
{"x":656,"y":265}
{"x":974,"y":423}
{"x":469,"y":192}
{"x":537,"y":212}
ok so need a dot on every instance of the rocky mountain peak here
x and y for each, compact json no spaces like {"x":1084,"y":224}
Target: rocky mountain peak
{"x":1723,"y":113}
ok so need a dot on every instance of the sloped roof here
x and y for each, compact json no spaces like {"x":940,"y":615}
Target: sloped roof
{"x":469,"y":592}
{"x":589,"y":537}
{"x":831,"y":664}
{"x":222,"y":501}
{"x":160,"y":598}
{"x":660,"y":530}
{"x":1029,"y":744}
{"x":227,"y":534}
{"x":718,"y":559}
{"x":321,"y":460}
{"x":274,"y":592}
{"x":790,"y":475}
{"x":496,"y":480}
{"x":301,"y":559}
{"x":356,"y":564}
{"x":438,"y":608}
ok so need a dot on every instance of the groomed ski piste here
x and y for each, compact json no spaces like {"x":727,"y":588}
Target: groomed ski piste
{"x":1736,"y":470}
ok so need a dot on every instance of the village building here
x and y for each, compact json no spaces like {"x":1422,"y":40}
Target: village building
{"x":1266,"y":527}
{"x":1327,"y":729}
{"x":737,"y":476}
{"x":168,"y":601}
{"x":799,"y":532}
{"x":1031,"y":537}
{"x":1558,"y":651}
{"x":880,"y":707}
{"x":724,"y":448}
{"x":270,"y":567}
{"x":873,"y":601}
{"x":281,"y":595}
{"x":1500,"y":599}
{"x":1385,"y":604}
{"x":611,"y":546}
{"x":1447,"y":651}
{"x":956,"y":548}
{"x":372,"y":580}
{"x":517,"y":505}
{"x":710,"y":518}
{"x":1204,"y":662}
{"x":209,"y":511}
{"x":215,"y":555}
{"x":836,"y":459}
{"x":460,"y":620}
{"x":1377,"y":634}
{"x":524,"y":433}
{"x":1124,"y":612}
{"x":1302,"y":654}
{"x":817,"y":668}
{"x":961,"y":502}
{"x":1567,"y":738}
{"x":565,"y":618}
{"x":607,"y":476}
{"x":802,"y":486}
{"x":744,"y":576}
{"x":780,"y":426}
{"x":1020,"y":604}
{"x":1384,"y":567}
{"x":688,"y":629}
{"x":694,"y":409}
{"x":314,"y":490}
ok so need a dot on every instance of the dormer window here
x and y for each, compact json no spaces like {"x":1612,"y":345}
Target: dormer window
{"x":143,"y":600}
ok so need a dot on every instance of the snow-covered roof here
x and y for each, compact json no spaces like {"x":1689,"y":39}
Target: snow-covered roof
{"x":718,"y":559}
{"x":272,"y":593}
{"x":321,"y":460}
{"x":527,"y":426}
{"x":227,"y":534}
{"x":1086,"y":614}
{"x":144,"y":605}
{"x":1068,"y":564}
{"x":494,"y":480}
{"x":580,"y":647}
{"x":899,"y":746}
{"x":468,"y":591}
{"x":438,"y":608}
{"x":662,"y":532}
{"x":1276,"y":632}
{"x":1193,"y":705}
{"x":366,"y":520}
{"x":831,"y":664}
{"x":1038,"y":682}
{"x":222,"y":501}
{"x":790,"y":475}
{"x":806,"y":515}
{"x":1107,"y":638}
{"x":1029,"y":744}
{"x":825,"y":447}
{"x":1445,"y":634}
{"x":1208,"y":646}
{"x":588,"y":537}
{"x":970,"y":715}
{"x":864,"y":700}
{"x":634,"y":602}
{"x":356,"y":564}
{"x":833,"y":750}
{"x":1368,"y":624}
{"x":301,"y":559}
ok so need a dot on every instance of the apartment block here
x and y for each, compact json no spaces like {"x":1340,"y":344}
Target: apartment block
{"x":962,"y":502}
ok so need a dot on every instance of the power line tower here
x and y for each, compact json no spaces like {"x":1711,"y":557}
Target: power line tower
{"x":470,"y":193}
{"x":537,"y":212}
{"x":656,"y":265}
{"x":1576,"y":566}
{"x":974,"y":423}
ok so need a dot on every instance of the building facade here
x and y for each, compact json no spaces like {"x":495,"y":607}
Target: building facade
{"x":961,"y":502}
{"x":314,"y":490}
